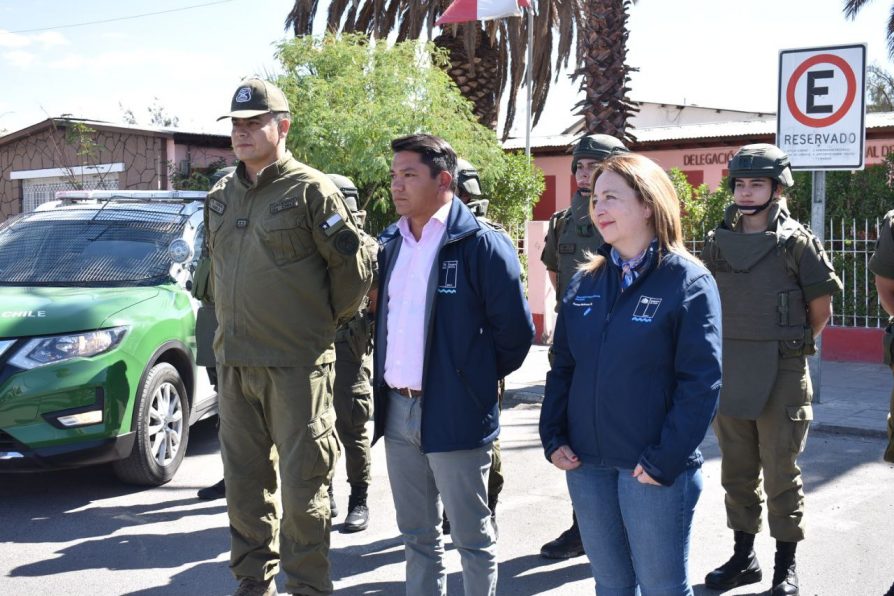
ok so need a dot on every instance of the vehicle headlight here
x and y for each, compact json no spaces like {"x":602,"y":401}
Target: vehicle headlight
{"x":50,"y":350}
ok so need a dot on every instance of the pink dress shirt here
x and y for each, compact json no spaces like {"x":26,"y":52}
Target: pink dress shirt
{"x":407,"y":292}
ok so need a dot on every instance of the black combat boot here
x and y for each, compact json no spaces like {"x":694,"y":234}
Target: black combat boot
{"x":567,"y":546}
{"x":785,"y":580}
{"x":215,"y":491}
{"x":445,"y":524}
{"x":358,"y":512}
{"x":741,"y":569}
{"x":333,"y":508}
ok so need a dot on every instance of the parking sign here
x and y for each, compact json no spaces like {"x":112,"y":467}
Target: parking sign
{"x":820,"y":122}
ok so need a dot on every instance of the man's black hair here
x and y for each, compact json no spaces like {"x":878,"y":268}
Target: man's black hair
{"x":434,"y":152}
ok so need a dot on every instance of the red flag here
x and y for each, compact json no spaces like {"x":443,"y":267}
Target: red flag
{"x":461,"y":11}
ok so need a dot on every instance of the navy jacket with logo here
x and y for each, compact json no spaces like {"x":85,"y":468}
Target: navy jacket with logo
{"x":636,"y":375}
{"x":479,"y":329}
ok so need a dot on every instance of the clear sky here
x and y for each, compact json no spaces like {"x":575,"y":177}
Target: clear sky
{"x":717,"y":53}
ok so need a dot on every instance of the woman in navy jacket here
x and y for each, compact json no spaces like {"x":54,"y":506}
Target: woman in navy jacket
{"x":635,"y":378}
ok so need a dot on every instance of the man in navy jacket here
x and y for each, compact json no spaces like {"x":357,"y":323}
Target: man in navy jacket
{"x":452,"y":319}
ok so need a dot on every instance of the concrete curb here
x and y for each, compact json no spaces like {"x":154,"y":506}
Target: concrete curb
{"x":853,"y":431}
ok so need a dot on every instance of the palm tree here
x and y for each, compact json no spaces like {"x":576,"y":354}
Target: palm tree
{"x":604,"y":71}
{"x":852,"y":7}
{"x":485,"y":56}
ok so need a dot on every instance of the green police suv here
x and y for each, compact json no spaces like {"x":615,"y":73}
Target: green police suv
{"x":97,"y":333}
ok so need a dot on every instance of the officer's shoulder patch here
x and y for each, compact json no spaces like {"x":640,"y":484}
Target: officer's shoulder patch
{"x":217,"y":206}
{"x":347,"y":242}
{"x":332,"y":224}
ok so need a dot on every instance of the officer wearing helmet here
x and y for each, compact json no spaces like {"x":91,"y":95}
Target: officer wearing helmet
{"x":570,"y":235}
{"x":776,"y":286}
{"x":353,"y":389}
{"x":468,"y":189}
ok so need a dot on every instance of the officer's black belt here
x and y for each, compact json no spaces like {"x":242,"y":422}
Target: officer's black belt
{"x":406,"y":391}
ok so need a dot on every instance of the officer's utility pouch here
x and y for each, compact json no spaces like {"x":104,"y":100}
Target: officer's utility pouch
{"x":800,"y":417}
{"x":782,"y":311}
{"x":802,"y":346}
{"x":888,"y":343}
{"x":320,"y":447}
{"x":785,"y":302}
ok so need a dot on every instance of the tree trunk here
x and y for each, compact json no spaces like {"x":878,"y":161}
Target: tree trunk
{"x":480,"y":79}
{"x":604,"y":71}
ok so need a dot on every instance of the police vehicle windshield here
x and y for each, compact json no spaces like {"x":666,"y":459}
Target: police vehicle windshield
{"x":88,"y":247}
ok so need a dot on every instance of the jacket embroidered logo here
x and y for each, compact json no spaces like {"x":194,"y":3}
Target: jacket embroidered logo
{"x":646,"y":308}
{"x":586,"y":301}
{"x":448,"y":277}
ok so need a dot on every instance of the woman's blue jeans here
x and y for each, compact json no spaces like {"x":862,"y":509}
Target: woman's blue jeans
{"x":636,"y":535}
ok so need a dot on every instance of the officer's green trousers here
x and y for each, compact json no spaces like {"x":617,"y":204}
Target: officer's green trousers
{"x":353,"y":409}
{"x":771,"y":444}
{"x":495,"y":479}
{"x":279,"y":450}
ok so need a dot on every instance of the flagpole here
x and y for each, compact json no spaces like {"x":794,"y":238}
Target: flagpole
{"x":530,"y":10}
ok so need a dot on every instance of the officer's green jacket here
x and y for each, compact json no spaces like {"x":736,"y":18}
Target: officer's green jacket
{"x":287,"y":265}
{"x":569,"y":236}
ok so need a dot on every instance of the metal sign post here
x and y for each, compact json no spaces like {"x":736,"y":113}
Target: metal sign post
{"x":818,"y":226}
{"x":821,"y":126}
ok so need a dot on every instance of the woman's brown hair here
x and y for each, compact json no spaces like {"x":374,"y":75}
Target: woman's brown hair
{"x":654,"y":189}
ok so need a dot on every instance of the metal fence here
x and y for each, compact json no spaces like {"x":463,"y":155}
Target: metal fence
{"x":849,"y":244}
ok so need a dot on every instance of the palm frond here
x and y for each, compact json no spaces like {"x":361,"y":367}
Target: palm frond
{"x":504,"y":43}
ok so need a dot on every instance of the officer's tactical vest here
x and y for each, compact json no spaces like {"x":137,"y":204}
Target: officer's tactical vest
{"x":575,"y":234}
{"x":760,"y":294}
{"x":764,"y":313}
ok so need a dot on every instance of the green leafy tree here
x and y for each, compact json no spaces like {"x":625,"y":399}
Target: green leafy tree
{"x":353,"y":96}
{"x":197,"y":179}
{"x":701,"y":210}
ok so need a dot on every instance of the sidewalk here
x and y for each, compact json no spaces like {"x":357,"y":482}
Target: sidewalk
{"x":854,"y":396}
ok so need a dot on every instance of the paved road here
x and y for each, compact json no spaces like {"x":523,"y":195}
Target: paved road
{"x":81,"y":532}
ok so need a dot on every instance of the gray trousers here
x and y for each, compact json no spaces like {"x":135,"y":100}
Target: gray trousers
{"x":419,"y":481}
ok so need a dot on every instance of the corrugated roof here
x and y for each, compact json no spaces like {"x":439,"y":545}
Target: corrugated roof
{"x":711,"y":130}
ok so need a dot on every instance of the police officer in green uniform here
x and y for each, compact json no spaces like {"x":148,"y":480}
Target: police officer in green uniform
{"x":287,"y":265}
{"x":468,"y":189}
{"x":570,"y":234}
{"x":776,"y":287}
{"x":353,"y":369}
{"x":882,"y":265}
{"x":353,"y":385}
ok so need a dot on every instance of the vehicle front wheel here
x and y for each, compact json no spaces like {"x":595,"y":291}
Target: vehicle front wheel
{"x":162,"y":429}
